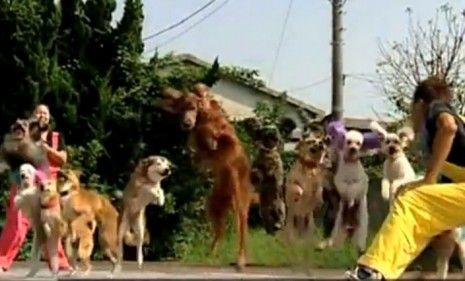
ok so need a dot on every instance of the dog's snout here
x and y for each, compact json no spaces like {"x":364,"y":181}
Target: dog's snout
{"x":165,"y":172}
{"x":352,"y":149}
{"x":392,"y":149}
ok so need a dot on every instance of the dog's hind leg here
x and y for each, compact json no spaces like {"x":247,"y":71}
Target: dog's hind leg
{"x":123,"y":228}
{"x":461,"y":252}
{"x":241,"y":213}
{"x":361,"y":233}
{"x":218,"y":205}
{"x":444,"y":245}
{"x":35,"y":255}
{"x":140,"y":237}
{"x":52,"y":248}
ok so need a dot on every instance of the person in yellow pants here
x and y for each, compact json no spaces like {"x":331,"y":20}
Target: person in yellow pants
{"x":423,"y":209}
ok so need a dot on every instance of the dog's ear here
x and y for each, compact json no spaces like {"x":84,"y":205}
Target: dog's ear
{"x":286,"y":126}
{"x":146,"y":162}
{"x":253,"y":126}
{"x":77,"y":172}
{"x":406,"y":136}
{"x":62,"y":174}
{"x":201,"y":90}
{"x":169,"y":101}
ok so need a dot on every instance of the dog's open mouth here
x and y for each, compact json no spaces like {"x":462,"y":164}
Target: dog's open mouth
{"x":392,"y":150}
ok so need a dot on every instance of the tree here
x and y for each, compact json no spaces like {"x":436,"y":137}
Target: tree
{"x":434,"y":48}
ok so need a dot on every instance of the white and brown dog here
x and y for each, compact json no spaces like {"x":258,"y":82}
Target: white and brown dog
{"x":397,"y":169}
{"x":351,"y":182}
{"x":28,"y":200}
{"x":144,"y":188}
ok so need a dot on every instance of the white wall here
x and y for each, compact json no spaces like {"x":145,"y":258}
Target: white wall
{"x":239,"y":101}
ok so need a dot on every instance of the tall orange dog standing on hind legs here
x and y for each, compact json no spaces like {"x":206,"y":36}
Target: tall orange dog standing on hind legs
{"x":217,"y":149}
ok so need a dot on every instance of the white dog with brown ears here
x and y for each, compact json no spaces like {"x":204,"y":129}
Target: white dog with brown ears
{"x":397,"y":169}
{"x":351,"y":182}
{"x":144,"y":188}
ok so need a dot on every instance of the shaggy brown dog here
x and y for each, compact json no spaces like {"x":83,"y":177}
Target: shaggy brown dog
{"x":267,"y":173}
{"x":80,"y":202}
{"x":217,"y":149}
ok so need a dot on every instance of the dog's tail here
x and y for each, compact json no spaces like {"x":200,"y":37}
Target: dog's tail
{"x":107,"y":222}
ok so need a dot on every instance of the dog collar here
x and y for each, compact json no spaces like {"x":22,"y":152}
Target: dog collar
{"x":64,"y":193}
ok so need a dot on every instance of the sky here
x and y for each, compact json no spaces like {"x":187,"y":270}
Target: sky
{"x":246,"y":33}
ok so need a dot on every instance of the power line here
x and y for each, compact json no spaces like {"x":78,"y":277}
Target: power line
{"x":189,"y":28}
{"x":283,"y":30}
{"x":309,"y":85}
{"x":179,"y":22}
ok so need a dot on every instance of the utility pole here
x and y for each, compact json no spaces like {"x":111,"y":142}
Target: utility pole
{"x":337,"y":76}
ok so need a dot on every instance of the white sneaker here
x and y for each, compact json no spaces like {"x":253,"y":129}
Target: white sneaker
{"x":363,"y":273}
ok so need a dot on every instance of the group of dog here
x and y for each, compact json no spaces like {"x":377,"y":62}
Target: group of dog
{"x":328,"y":161}
{"x":62,"y":209}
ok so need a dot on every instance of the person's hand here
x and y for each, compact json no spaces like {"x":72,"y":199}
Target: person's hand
{"x":45,"y":146}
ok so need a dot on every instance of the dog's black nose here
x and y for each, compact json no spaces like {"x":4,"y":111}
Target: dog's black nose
{"x":352,"y":150}
{"x":165,"y":172}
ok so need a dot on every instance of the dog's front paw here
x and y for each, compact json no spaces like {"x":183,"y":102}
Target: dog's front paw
{"x":159,"y":197}
{"x":47,"y":230}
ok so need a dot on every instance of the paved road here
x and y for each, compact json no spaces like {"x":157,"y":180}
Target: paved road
{"x":174,"y":271}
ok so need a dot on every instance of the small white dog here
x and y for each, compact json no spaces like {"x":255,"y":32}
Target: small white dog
{"x":144,"y":188}
{"x":397,"y":169}
{"x":28,"y":201}
{"x":351,"y":183}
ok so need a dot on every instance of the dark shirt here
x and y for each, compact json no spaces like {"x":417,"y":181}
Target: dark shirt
{"x":457,"y":154}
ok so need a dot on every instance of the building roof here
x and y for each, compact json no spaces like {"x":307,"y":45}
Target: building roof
{"x":353,"y":123}
{"x":265,"y":90}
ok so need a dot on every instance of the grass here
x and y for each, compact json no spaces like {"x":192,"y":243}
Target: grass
{"x":267,"y":250}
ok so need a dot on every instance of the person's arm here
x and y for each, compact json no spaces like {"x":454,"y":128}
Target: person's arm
{"x":442,"y":144}
{"x":59,"y":155}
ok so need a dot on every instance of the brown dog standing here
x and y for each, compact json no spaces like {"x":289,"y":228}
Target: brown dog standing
{"x":217,"y":149}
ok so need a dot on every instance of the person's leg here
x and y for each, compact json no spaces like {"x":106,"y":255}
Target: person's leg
{"x":416,"y":217}
{"x":14,"y":232}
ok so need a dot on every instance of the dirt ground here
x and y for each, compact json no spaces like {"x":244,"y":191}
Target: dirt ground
{"x":173,"y":271}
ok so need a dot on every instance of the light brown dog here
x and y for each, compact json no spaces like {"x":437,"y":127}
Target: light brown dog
{"x":80,"y":242}
{"x":304,"y":187}
{"x":144,"y":188}
{"x":50,"y":211}
{"x":217,"y":149}
{"x":85,"y":204}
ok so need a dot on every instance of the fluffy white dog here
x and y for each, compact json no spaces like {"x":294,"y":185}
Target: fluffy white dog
{"x":397,"y":169}
{"x":351,"y":183}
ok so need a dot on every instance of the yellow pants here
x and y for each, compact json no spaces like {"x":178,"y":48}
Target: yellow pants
{"x":415,"y":218}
